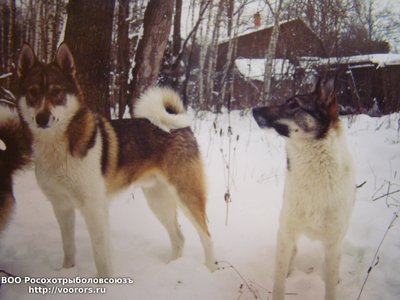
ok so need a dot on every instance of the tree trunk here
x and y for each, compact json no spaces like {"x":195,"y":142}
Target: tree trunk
{"x":269,"y":59}
{"x":123,"y":56}
{"x":212,"y":56}
{"x":271,"y":52}
{"x":150,"y":52}
{"x":11,"y":35}
{"x":88,"y":35}
{"x":226,"y":84}
{"x":176,"y":45}
{"x":3,"y":29}
{"x":38,"y":29}
{"x":203,"y":53}
{"x":189,"y":65}
{"x":57,"y":26}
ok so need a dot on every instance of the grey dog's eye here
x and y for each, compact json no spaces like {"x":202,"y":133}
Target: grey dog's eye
{"x":293,"y":105}
{"x":55,"y":91}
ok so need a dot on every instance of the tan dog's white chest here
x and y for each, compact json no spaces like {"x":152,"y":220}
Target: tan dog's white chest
{"x":58,"y":172}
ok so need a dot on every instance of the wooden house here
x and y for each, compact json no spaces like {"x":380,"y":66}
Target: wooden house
{"x":296,"y":39}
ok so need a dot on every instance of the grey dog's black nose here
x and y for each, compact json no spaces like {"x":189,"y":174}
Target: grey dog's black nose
{"x":258,"y":114}
{"x":42,"y":118}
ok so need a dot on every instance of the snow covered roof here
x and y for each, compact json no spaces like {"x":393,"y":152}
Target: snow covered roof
{"x":268,"y":27}
{"x":379,"y":60}
{"x":254,"y":69}
{"x":251,"y":30}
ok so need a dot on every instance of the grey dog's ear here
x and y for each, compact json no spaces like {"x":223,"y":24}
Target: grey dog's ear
{"x":326,"y":97}
{"x":65,"y":60}
{"x":324,"y":88}
{"x":26,"y":60}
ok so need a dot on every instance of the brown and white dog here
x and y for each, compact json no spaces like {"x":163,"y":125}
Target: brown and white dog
{"x":320,"y":185}
{"x":81,"y":159}
{"x":15,"y":150}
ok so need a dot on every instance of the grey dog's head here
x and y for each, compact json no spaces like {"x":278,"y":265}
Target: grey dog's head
{"x":302,"y":116}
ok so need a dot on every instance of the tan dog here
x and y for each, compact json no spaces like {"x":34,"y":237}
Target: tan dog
{"x":82,"y":159}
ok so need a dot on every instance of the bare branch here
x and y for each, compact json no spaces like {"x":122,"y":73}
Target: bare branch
{"x":194,"y":29}
{"x":375,"y":260}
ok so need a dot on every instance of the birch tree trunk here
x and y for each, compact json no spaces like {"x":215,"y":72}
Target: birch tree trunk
{"x":227,"y":76}
{"x":203,"y":53}
{"x":123,"y":55}
{"x":150,"y":52}
{"x":176,"y":45}
{"x":3,"y":44}
{"x":57,"y":26}
{"x":11,"y":35}
{"x":38,"y":29}
{"x":271,"y":51}
{"x":212,"y":54}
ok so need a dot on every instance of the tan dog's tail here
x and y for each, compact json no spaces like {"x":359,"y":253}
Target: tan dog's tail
{"x":162,"y":107}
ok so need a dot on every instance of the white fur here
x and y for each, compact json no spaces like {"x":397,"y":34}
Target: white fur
{"x":59,"y":120}
{"x":151,"y":106}
{"x":71,"y":182}
{"x":318,"y":200}
{"x":3,"y":146}
{"x":166,"y":212}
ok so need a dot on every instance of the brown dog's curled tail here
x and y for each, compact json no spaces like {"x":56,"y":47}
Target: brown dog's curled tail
{"x":162,"y":107}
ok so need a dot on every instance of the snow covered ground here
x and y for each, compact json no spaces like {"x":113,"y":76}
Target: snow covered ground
{"x":253,"y":171}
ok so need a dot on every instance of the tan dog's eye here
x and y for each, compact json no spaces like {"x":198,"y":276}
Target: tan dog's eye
{"x":33,"y":91}
{"x":55,"y":91}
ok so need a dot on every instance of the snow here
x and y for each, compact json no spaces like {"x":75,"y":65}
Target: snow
{"x":245,"y":247}
{"x":254,"y":68}
{"x":5,"y":75}
{"x":380,"y":59}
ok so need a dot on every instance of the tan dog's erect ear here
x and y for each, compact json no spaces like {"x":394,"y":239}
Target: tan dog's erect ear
{"x":65,"y":60}
{"x":26,"y":60}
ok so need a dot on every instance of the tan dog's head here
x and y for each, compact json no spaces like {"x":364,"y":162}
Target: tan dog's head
{"x":48,"y":93}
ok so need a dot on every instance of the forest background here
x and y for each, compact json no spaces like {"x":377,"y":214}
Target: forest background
{"x":123,"y":46}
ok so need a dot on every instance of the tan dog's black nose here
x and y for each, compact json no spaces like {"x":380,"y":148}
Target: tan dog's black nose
{"x":42,"y":119}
